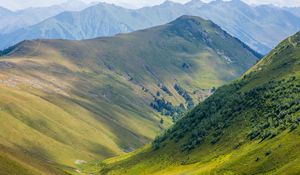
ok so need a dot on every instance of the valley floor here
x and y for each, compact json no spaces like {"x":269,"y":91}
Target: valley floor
{"x":274,"y":157}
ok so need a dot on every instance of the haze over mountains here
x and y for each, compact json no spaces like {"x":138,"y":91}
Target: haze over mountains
{"x":294,"y":10}
{"x":93,"y":99}
{"x":260,"y":27}
{"x":14,"y":20}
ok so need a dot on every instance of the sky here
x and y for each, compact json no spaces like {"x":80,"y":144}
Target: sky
{"x":21,"y":4}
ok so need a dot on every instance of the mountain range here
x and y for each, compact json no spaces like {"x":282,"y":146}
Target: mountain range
{"x":250,"y":126}
{"x":67,"y":102}
{"x":260,"y":27}
{"x":294,"y":10}
{"x":14,"y":20}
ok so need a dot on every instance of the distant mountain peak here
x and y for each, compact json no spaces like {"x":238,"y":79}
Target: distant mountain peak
{"x":2,"y":8}
{"x":233,"y":2}
{"x":236,"y":3}
{"x":4,"y":11}
{"x":168,"y":3}
{"x":195,"y":3}
{"x":103,"y":6}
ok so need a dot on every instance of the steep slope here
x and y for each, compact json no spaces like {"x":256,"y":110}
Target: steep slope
{"x":258,"y":27}
{"x":250,"y":126}
{"x":23,"y":18}
{"x":73,"y":101}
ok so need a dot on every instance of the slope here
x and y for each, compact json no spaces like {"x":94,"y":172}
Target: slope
{"x":258,"y":27}
{"x":14,"y":20}
{"x":16,"y":163}
{"x":250,"y":126}
{"x":69,"y":102}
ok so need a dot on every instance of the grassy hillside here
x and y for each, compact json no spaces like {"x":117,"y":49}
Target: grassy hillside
{"x":16,"y":163}
{"x":248,"y":127}
{"x":68,"y":102}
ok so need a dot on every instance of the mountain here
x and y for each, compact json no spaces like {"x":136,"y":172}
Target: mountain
{"x":160,"y":14}
{"x":13,"y":21}
{"x":100,"y":20}
{"x":294,"y":10}
{"x":4,"y":12}
{"x":261,"y":27}
{"x":195,"y":4}
{"x":67,"y":102}
{"x":250,"y":126}
{"x":258,"y":27}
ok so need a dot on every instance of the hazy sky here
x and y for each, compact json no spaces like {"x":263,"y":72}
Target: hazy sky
{"x":19,"y":4}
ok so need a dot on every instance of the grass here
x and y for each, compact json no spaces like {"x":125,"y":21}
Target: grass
{"x":64,"y":101}
{"x":13,"y":162}
{"x":250,"y":126}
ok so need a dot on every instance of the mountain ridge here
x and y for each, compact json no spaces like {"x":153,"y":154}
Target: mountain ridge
{"x":252,"y":27}
{"x":30,"y":16}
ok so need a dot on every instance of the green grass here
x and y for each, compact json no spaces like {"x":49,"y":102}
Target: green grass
{"x":250,"y":126}
{"x":10,"y":167}
{"x":14,"y":162}
{"x":63,"y":101}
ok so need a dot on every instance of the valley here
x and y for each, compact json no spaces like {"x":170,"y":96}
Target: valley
{"x":149,"y":88}
{"x":65,"y":103}
{"x":250,"y":126}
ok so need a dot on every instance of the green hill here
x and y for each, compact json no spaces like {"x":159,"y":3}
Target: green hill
{"x":67,"y":102}
{"x":250,"y":126}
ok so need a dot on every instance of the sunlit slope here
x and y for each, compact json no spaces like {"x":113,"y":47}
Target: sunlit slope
{"x":13,"y":162}
{"x":73,"y":101}
{"x":248,"y":127}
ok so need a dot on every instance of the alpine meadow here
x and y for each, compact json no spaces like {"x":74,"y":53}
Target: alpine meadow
{"x":191,"y":88}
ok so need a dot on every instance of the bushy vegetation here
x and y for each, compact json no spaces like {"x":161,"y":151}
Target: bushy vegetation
{"x":165,"y":89}
{"x":185,"y":95}
{"x":270,"y":109}
{"x":167,"y":108}
{"x":8,"y":50}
